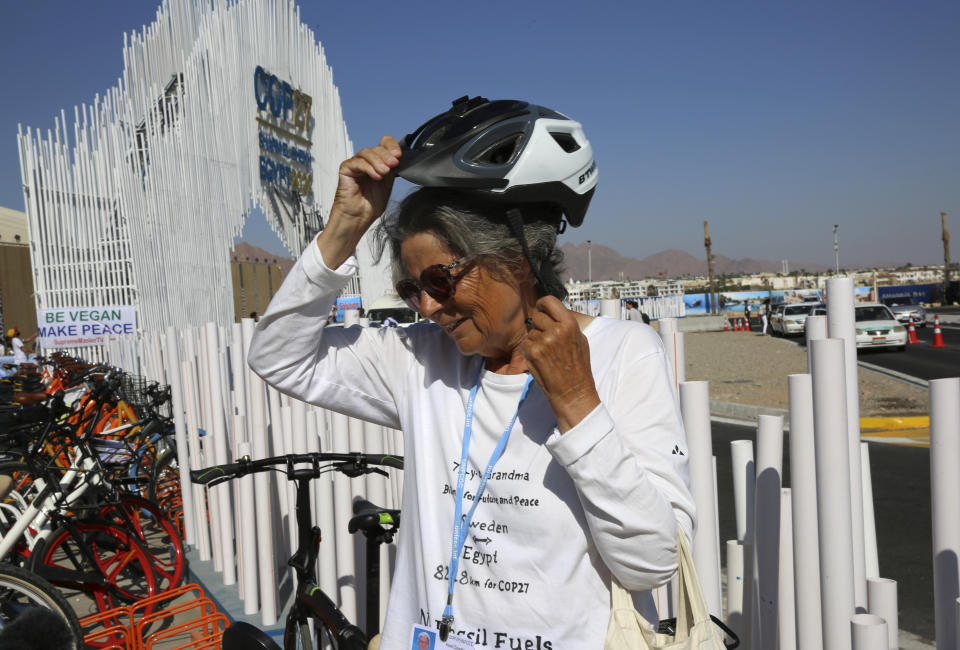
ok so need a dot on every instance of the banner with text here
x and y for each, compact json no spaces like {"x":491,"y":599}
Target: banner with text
{"x":74,"y":327}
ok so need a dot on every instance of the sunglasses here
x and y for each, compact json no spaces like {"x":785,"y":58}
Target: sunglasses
{"x":435,"y":280}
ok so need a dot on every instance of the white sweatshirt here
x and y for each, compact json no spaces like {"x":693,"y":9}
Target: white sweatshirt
{"x":560,"y":513}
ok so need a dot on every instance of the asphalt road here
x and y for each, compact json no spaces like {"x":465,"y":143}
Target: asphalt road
{"x":901,"y":492}
{"x":920,"y":360}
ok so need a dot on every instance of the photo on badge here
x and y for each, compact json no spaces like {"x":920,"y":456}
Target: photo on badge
{"x":423,"y":638}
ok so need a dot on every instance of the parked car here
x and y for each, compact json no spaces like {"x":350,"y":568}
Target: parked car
{"x":789,"y":319}
{"x":877,"y":327}
{"x":905,"y":307}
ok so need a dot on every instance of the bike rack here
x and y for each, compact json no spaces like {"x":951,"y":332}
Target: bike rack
{"x":127,"y":627}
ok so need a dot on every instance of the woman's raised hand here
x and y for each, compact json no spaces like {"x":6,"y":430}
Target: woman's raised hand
{"x":558,"y":355}
{"x":366,"y":180}
{"x":364,"y":188}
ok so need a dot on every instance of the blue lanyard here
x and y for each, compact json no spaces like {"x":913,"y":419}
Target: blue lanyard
{"x":461,"y":523}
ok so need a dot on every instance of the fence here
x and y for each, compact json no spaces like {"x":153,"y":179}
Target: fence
{"x":801,"y":571}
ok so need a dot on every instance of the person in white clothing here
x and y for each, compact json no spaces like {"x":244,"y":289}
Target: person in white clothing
{"x":553,"y":440}
{"x":17,"y":343}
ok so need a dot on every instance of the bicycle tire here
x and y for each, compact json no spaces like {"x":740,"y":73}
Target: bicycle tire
{"x":120,"y":558}
{"x":165,"y":484}
{"x":157,"y":534}
{"x":19,"y":588}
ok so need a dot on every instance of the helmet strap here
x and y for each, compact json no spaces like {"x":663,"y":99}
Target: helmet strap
{"x":515,"y":220}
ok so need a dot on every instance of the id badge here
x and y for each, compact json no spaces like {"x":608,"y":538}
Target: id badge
{"x":425,"y":638}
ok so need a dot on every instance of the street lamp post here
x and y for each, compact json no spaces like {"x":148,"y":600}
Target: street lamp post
{"x":589,"y":262}
{"x":836,"y":247}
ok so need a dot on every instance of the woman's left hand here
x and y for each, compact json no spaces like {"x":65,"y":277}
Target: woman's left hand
{"x":558,"y":355}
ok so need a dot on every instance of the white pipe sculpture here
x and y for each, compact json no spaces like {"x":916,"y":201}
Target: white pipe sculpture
{"x":882,"y":601}
{"x":841,"y":323}
{"x":136,"y":200}
{"x":695,"y":408}
{"x":803,"y":491}
{"x":945,"y":486}
{"x":833,"y":493}
{"x":767,"y":532}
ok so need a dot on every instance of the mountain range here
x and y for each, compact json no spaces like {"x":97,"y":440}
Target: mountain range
{"x":606,"y":263}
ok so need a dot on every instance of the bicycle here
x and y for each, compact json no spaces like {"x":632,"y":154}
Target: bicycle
{"x":21,"y":591}
{"x":310,"y":602}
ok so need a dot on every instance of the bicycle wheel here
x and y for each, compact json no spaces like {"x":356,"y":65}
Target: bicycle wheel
{"x":157,"y":535}
{"x":165,"y":486}
{"x":21,"y":591}
{"x":100,"y":561}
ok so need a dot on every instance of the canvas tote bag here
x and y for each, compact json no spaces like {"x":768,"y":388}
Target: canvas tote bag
{"x":628,"y":630}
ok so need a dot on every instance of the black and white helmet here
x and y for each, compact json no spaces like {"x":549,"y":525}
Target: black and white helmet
{"x":509,"y":150}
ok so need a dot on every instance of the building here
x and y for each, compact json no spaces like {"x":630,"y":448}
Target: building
{"x":16,"y":279}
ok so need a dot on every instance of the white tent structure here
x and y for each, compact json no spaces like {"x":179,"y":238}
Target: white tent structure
{"x":222,"y":106}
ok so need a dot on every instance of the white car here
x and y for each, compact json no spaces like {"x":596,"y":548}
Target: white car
{"x":790,"y":320}
{"x":878,"y":328}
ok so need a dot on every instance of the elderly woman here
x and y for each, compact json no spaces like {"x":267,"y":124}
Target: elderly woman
{"x":545,"y":455}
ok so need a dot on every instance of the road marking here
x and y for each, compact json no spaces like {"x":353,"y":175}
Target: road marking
{"x":919,"y":437}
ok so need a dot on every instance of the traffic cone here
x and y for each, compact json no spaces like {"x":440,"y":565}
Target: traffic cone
{"x":739,"y":325}
{"x":937,"y":334}
{"x":912,"y":333}
{"x":726,"y":325}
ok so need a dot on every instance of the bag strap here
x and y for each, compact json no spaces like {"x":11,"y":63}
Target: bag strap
{"x":691,"y":605}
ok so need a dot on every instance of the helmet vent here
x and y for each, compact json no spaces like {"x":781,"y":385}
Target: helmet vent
{"x":500,"y":153}
{"x":566,"y":141}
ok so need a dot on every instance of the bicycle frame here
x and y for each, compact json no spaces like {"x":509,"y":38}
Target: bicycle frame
{"x":311,"y":601}
{"x":49,"y":499}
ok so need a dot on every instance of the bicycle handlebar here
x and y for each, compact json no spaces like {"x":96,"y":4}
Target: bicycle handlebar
{"x":351,"y":464}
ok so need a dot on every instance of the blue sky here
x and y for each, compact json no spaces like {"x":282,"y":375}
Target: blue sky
{"x":773,"y":121}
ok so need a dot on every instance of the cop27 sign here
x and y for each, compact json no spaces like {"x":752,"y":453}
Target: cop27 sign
{"x":74,"y":327}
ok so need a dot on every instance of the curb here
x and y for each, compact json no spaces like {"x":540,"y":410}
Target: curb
{"x":746,"y":414}
{"x":894,"y":423}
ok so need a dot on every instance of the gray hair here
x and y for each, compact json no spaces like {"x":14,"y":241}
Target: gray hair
{"x":469,"y":225}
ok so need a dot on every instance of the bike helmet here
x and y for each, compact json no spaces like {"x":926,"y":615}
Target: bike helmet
{"x":508,"y":150}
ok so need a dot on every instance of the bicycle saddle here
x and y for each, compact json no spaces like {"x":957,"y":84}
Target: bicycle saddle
{"x":370,"y":518}
{"x":243,"y":636}
{"x":30,"y":398}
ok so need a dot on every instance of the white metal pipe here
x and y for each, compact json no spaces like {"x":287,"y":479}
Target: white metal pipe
{"x":327,"y":560}
{"x":238,"y":372}
{"x":248,"y":531}
{"x":279,"y":446}
{"x":735,"y":588}
{"x":343,"y":510}
{"x":610,"y":308}
{"x":871,"y":557}
{"x":351,"y":317}
{"x":841,"y":322}
{"x":680,"y":357}
{"x":695,"y":409}
{"x":209,"y":457}
{"x":749,"y":634}
{"x":815,"y":327}
{"x":833,"y":493}
{"x":286,"y":430}
{"x":868,"y":632}
{"x":219,"y":441}
{"x":767,"y":522}
{"x":256,"y":429}
{"x":803,"y":491}
{"x":744,"y":487}
{"x":786,"y":610}
{"x":882,"y":601}
{"x":944,"y":488}
{"x":202,"y":530}
{"x":180,"y":432}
